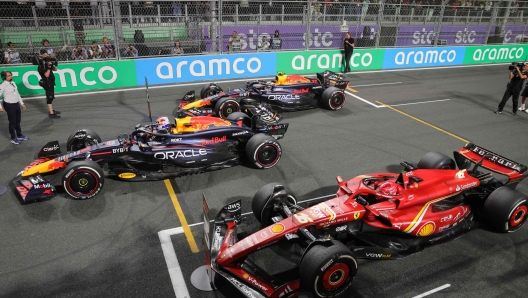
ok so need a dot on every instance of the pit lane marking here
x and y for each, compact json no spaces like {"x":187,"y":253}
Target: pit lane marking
{"x":181,"y":216}
{"x":415,"y":103}
{"x":424,"y":122}
{"x":175,"y":273}
{"x":364,"y":100}
{"x":433,"y":291}
{"x":380,"y":84}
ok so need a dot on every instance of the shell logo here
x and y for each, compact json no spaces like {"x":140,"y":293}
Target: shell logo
{"x":277,"y":228}
{"x":246,"y":276}
{"x":427,"y":229}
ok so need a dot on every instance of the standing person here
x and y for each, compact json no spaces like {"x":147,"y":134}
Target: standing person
{"x":108,"y":49}
{"x":524,"y":94}
{"x":263,"y":45}
{"x":95,"y":10}
{"x":11,"y":104}
{"x":348,"y":46}
{"x":234,"y":43}
{"x":177,"y":49}
{"x":11,"y":56}
{"x":513,"y":89}
{"x":47,"y":81}
{"x":276,"y":41}
{"x":106,"y":12}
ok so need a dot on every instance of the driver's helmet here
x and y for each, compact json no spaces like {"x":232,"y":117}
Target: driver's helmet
{"x":280,"y":79}
{"x":163,"y":123}
{"x":389,"y":188}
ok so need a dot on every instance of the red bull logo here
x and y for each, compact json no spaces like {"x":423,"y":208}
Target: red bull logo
{"x":292,"y":79}
{"x":202,"y":123}
{"x":301,"y":91}
{"x":214,"y":140}
{"x":55,"y":165}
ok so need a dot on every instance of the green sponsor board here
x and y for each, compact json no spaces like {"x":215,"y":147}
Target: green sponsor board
{"x":495,"y":54}
{"x":72,"y":77}
{"x":317,"y":61}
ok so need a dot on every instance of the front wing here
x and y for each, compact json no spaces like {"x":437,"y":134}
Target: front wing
{"x":34,"y":188}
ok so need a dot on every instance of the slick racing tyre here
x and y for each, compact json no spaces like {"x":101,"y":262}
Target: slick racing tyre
{"x":263,"y":205}
{"x":506,"y":209}
{"x":333,"y":98}
{"x":81,"y":139}
{"x":83,"y":179}
{"x":328,"y":271}
{"x":209,"y":90}
{"x":226,"y":106}
{"x":236,"y":116}
{"x":263,"y":151}
{"x":436,"y":160}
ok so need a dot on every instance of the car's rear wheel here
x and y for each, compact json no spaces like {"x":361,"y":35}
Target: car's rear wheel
{"x":82,"y":138}
{"x":263,"y":151}
{"x":436,"y":160}
{"x":83,"y":179}
{"x":333,"y":98}
{"x":328,"y":271}
{"x":263,"y":205}
{"x":209,"y":90}
{"x":506,"y":209}
{"x":226,"y":106}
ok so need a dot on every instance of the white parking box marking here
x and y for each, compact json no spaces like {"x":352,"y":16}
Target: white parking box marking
{"x":433,"y":291}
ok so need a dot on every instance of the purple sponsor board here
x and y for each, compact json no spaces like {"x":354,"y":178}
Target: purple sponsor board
{"x":293,"y":37}
{"x":512,"y":31}
{"x":453,"y":34}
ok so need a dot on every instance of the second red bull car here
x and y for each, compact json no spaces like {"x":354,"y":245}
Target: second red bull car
{"x":376,"y":216}
{"x":286,"y":93}
{"x":151,"y":152}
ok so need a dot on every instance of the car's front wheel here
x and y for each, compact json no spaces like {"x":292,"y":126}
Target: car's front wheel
{"x":328,"y":271}
{"x":83,"y":179}
{"x":226,"y":106}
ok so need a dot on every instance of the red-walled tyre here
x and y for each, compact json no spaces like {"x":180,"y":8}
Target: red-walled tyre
{"x":263,"y":151}
{"x":333,"y":98}
{"x":328,"y":271}
{"x":226,"y":106}
{"x":506,"y":209}
{"x":83,"y":179}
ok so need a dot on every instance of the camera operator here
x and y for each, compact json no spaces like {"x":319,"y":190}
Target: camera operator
{"x":46,"y":66}
{"x":513,"y":89}
{"x":79,"y":53}
{"x":131,"y":51}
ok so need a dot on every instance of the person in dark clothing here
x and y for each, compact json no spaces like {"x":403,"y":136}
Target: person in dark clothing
{"x":348,"y":46}
{"x":513,"y":89}
{"x":47,"y":81}
{"x":276,"y":41}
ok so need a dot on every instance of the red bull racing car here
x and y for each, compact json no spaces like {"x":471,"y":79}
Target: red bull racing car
{"x":151,"y":152}
{"x":372,"y":216}
{"x":286,"y":93}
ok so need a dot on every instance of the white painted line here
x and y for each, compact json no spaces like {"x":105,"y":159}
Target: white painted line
{"x":433,"y":291}
{"x":248,"y":79}
{"x":364,"y":100}
{"x":415,"y":103}
{"x":178,"y":283}
{"x":380,"y":84}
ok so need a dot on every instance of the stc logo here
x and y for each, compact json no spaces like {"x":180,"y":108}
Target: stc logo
{"x":69,"y":77}
{"x":427,"y":37}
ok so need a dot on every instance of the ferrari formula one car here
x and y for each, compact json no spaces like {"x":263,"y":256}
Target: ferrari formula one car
{"x":286,"y":93}
{"x":150,"y":152}
{"x":373,"y":216}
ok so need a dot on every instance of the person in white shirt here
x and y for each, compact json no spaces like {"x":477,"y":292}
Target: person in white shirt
{"x":11,"y":104}
{"x":264,"y":44}
{"x":11,"y":56}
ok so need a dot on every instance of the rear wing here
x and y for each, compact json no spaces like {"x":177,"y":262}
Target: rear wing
{"x":472,"y":153}
{"x":330,"y":78}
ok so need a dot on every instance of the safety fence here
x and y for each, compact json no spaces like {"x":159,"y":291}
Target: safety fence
{"x":151,"y":28}
{"x":74,"y":77}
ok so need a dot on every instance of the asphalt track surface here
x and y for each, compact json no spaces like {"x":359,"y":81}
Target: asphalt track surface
{"x":109,"y":246}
